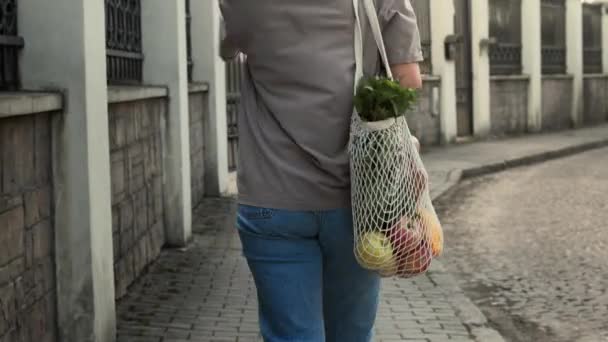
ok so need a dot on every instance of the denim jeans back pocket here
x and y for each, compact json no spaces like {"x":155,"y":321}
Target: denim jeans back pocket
{"x":276,"y":223}
{"x":255,"y":213}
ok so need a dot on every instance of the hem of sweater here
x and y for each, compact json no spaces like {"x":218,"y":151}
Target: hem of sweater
{"x":339,"y":202}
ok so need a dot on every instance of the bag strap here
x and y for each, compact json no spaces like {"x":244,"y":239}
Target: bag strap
{"x":358,"y":45}
{"x":372,"y":17}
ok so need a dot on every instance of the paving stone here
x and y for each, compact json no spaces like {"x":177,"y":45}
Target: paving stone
{"x":11,"y":239}
{"x":206,"y":293}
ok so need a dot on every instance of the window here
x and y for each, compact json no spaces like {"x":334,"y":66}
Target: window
{"x":592,"y":38}
{"x":554,"y":36}
{"x":505,"y":27}
{"x":123,"y":41}
{"x":234,"y":73}
{"x":10,"y":44}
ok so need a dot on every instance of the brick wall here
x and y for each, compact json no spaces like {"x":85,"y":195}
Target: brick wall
{"x":509,"y":106}
{"x":27,"y":270}
{"x":137,"y":202}
{"x":557,"y":103}
{"x":198,"y":111}
{"x":423,"y":124}
{"x":595,"y":97}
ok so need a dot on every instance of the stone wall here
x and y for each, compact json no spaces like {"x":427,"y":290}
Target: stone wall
{"x":137,"y":190}
{"x":198,"y":110}
{"x":595,"y":100}
{"x":557,"y":102}
{"x":422,"y":122}
{"x":27,"y":270}
{"x":508,"y":105}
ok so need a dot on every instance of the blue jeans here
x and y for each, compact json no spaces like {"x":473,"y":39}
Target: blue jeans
{"x":310,"y":287}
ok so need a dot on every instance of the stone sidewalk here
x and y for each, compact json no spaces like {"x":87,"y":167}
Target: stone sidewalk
{"x":448,"y":165}
{"x":205,"y":292}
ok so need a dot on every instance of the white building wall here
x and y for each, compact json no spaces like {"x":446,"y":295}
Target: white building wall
{"x":605,"y":38}
{"x":165,"y":63}
{"x":574,"y":56}
{"x":65,"y":50}
{"x":532,"y":60}
{"x":442,"y":25}
{"x":209,"y":67}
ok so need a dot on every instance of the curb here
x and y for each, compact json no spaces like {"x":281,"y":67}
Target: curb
{"x":470,"y":315}
{"x":532,"y":159}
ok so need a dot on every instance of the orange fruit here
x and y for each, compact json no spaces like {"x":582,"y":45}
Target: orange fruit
{"x":434,"y":232}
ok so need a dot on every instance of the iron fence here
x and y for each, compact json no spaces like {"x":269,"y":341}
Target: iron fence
{"x":423,"y":15}
{"x":10,"y":43}
{"x":234,"y":74}
{"x":189,"y":39}
{"x":123,"y":41}
{"x":505,"y":27}
{"x":553,"y":26}
{"x":592,"y":38}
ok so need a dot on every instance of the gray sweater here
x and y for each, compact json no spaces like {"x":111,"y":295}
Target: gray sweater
{"x":297,"y":93}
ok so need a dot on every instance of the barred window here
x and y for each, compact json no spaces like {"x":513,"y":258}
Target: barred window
{"x":592,"y":38}
{"x":10,"y":43}
{"x":554,"y":36}
{"x":505,"y":27}
{"x":423,"y":14}
{"x":234,"y":73}
{"x":123,"y":41}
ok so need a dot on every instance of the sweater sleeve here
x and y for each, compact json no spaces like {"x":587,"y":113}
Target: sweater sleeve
{"x":400,"y":31}
{"x":229,"y":30}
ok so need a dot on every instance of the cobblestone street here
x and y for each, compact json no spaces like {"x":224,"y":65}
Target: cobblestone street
{"x":205,"y":293}
{"x":529,"y":246}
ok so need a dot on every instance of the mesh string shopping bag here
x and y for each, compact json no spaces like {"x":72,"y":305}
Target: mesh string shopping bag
{"x":397,"y":232}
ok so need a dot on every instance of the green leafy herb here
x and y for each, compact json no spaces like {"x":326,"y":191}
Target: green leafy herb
{"x":380,"y":98}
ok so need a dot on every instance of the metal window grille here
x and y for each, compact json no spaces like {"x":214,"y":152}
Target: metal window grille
{"x":505,"y":27}
{"x":422,"y":8}
{"x":10,"y":44}
{"x":554,"y":36}
{"x":123,"y":41}
{"x":234,"y":73}
{"x":189,"y":39}
{"x":592,"y":38}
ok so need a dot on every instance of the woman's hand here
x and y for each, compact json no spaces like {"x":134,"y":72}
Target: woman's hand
{"x":408,"y":75}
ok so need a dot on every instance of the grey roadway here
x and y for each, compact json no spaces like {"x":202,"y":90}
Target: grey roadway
{"x":530,"y":247}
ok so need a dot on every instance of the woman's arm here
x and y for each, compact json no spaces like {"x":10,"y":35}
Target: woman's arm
{"x":402,"y":40}
{"x":408,"y":75}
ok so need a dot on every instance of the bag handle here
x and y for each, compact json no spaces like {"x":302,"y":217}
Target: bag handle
{"x":372,"y":17}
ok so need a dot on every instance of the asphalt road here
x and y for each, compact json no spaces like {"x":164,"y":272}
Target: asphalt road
{"x":530,"y":247}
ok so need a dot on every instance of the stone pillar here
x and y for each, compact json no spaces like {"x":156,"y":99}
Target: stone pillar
{"x":574,"y":56}
{"x":209,"y":67}
{"x":532,"y":60}
{"x":70,"y":35}
{"x":480,"y":46}
{"x":164,"y":46}
{"x":442,"y":25}
{"x":605,"y":39}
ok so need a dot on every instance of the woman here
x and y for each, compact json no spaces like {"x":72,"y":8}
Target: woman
{"x":294,"y":215}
